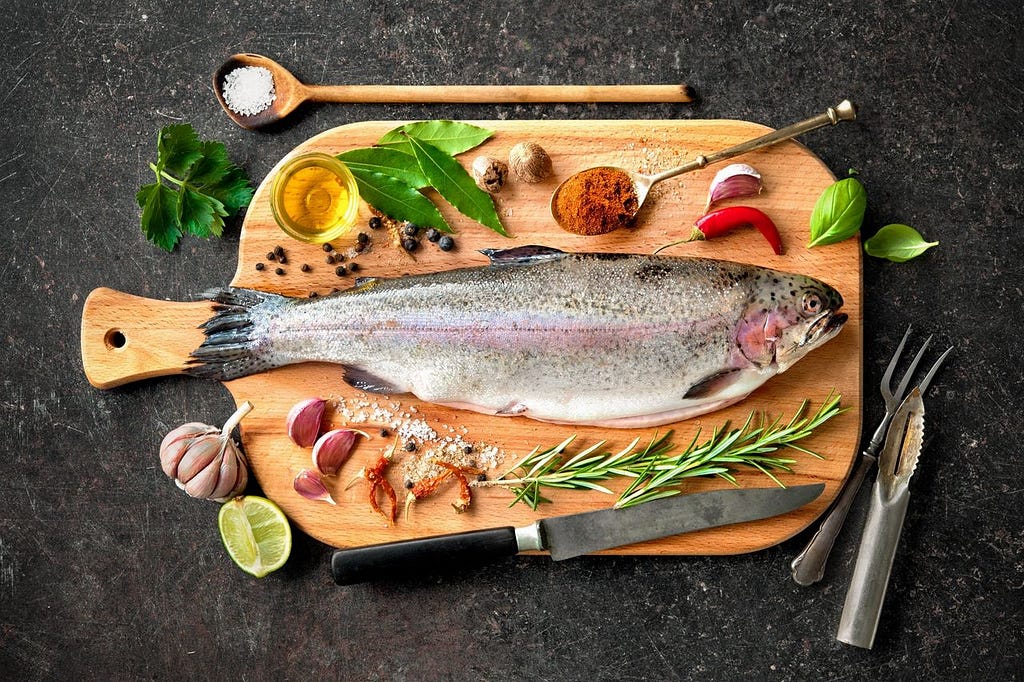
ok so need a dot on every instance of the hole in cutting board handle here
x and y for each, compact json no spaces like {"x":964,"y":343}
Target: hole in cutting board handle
{"x":115,"y":339}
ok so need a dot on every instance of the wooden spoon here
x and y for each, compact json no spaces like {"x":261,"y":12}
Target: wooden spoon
{"x":291,"y":92}
{"x":844,"y":111}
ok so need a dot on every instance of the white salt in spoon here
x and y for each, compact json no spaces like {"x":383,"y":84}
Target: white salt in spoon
{"x":291,"y":92}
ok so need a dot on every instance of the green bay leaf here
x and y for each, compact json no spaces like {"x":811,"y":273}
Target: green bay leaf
{"x":838,"y":213}
{"x":395,"y":199}
{"x":457,"y":187}
{"x":898,"y":243}
{"x":388,"y":161}
{"x":451,"y":137}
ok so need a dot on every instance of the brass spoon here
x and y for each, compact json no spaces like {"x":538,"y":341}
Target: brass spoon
{"x":291,"y":92}
{"x":844,"y":111}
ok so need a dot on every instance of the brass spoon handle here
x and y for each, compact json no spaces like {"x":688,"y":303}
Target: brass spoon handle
{"x":844,"y":111}
{"x":496,"y":94}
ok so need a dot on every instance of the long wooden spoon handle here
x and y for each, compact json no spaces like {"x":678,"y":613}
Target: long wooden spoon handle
{"x":126,"y":338}
{"x":496,"y":94}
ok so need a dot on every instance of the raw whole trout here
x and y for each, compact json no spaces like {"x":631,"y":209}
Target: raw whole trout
{"x":583,"y":338}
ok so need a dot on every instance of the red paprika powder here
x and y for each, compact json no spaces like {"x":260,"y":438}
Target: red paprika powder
{"x":596,"y":201}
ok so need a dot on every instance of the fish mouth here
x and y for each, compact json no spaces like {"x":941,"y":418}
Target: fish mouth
{"x":825,"y":326}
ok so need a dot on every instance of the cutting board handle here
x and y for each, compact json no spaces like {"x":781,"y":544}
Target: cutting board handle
{"x":126,"y":338}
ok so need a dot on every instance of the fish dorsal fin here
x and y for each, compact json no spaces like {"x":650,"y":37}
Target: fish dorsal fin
{"x":521,"y":255}
{"x":366,"y":381}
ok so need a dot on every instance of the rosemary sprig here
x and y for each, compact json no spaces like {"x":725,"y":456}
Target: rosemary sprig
{"x":657,"y":473}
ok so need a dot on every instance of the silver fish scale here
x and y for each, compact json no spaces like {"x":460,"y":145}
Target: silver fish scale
{"x":585,"y":338}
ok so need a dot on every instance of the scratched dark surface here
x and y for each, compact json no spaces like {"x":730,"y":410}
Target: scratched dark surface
{"x":107,"y":571}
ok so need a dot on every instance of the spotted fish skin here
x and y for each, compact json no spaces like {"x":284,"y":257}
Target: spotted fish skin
{"x":617,"y":340}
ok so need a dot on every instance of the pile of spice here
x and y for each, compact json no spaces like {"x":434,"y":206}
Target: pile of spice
{"x":248,"y":90}
{"x":597,"y":201}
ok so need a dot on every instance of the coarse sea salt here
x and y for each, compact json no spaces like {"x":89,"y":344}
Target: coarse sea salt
{"x":248,"y":90}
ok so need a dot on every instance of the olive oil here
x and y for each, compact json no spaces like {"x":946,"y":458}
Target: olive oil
{"x":314,"y":198}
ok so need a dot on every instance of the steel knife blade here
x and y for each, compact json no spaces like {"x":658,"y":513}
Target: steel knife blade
{"x":571,"y":535}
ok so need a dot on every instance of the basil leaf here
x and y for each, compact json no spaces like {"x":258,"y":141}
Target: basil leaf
{"x":387,"y":161}
{"x":838,"y":212}
{"x":451,"y":137}
{"x":453,"y":183}
{"x":898,"y":243}
{"x":394,"y":198}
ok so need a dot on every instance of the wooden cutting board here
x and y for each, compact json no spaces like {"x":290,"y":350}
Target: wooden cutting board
{"x":126,"y":338}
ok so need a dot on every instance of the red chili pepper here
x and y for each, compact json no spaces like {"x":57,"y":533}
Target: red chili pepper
{"x":725,"y":220}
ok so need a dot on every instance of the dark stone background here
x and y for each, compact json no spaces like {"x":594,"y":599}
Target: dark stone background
{"x":107,"y":571}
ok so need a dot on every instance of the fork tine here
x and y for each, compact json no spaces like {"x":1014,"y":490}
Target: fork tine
{"x":935,"y":368}
{"x":901,"y":392}
{"x":887,"y":377}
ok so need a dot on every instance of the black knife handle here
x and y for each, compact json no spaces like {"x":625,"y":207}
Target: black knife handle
{"x":422,"y":556}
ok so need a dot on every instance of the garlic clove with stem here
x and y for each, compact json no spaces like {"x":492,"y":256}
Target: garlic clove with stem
{"x":735,"y":180}
{"x":332,"y":449}
{"x":309,"y":484}
{"x":304,"y":421}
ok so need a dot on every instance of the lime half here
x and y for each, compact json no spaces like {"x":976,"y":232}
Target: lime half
{"x":256,"y":534}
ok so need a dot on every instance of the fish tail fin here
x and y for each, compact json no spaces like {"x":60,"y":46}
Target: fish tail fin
{"x":236,"y":343}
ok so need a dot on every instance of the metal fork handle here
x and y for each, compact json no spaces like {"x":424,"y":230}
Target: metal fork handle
{"x":809,"y":566}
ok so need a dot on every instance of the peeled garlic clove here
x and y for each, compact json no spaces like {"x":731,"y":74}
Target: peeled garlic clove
{"x":304,"y":420}
{"x":735,"y":180}
{"x":332,"y":449}
{"x":309,"y":484}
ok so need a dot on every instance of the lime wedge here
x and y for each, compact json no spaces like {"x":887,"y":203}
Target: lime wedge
{"x":256,"y":534}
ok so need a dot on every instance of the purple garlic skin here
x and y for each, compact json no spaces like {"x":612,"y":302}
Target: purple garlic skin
{"x":309,"y":484}
{"x":304,"y":421}
{"x":204,"y":461}
{"x":332,"y":449}
{"x":735,"y":180}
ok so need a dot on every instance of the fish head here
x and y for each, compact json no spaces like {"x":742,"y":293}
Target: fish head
{"x":788,"y":317}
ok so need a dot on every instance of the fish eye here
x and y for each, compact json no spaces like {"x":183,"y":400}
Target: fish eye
{"x":812,"y":304}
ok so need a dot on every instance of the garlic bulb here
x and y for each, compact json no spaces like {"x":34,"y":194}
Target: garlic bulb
{"x":735,"y":180}
{"x":204,"y":461}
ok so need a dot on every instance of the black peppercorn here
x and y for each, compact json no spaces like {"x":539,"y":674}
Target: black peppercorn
{"x":410,"y":446}
{"x":481,"y":477}
{"x":410,"y":244}
{"x":329,"y":260}
{"x":305,"y":267}
{"x":360,"y":247}
{"x":363,"y":238}
{"x":338,"y":257}
{"x":279,"y":271}
{"x":271,"y":255}
{"x":340,"y":271}
{"x":467,"y":448}
{"x":281,"y":259}
{"x":376,"y":223}
{"x":260,"y":266}
{"x":411,"y":229}
{"x":278,"y":250}
{"x":409,"y":485}
{"x":313,"y":294}
{"x":446,"y":243}
{"x":353,"y":267}
{"x":328,"y":248}
{"x":384,"y":433}
{"x":433,"y":235}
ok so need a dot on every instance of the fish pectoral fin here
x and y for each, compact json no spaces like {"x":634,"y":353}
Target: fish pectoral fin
{"x":513,"y":408}
{"x":522,"y":254}
{"x":365,"y":381}
{"x":712,"y":384}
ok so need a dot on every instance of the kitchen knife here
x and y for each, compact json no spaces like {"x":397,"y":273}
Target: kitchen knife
{"x":569,"y":536}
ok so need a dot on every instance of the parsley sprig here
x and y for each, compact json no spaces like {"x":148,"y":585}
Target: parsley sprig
{"x":655,"y":471}
{"x":196,"y":187}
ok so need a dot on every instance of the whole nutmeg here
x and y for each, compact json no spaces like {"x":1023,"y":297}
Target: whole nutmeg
{"x":529,"y":162}
{"x":489,"y":173}
{"x":204,"y":461}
